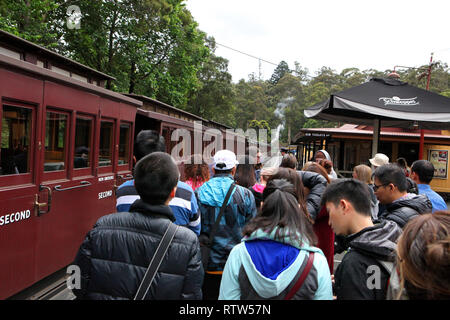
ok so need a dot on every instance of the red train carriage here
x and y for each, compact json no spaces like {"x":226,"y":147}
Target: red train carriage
{"x":166,"y":119}
{"x":65,"y":143}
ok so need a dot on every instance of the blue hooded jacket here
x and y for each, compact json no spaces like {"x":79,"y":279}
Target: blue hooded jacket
{"x":270,"y":266}
{"x":239,"y":210}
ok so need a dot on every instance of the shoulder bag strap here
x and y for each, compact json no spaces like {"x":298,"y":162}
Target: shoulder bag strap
{"x":222,"y":211}
{"x":156,"y":261}
{"x":207,"y":246}
{"x":302,"y":277}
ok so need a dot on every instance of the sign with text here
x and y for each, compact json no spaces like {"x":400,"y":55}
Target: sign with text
{"x":439,"y":159}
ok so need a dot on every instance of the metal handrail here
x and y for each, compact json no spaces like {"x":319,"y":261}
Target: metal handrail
{"x":82,"y":184}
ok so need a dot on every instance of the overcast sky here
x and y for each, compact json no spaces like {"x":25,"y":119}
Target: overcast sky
{"x":334,"y":33}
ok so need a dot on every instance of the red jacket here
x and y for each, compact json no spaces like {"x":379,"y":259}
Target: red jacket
{"x":325,"y":236}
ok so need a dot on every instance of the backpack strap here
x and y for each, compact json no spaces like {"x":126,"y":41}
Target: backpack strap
{"x":206,"y":242}
{"x":302,"y":277}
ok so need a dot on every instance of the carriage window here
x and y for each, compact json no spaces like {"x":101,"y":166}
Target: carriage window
{"x":16,"y":136}
{"x":124,"y":144}
{"x":55,"y":141}
{"x":83,"y":133}
{"x":106,"y":143}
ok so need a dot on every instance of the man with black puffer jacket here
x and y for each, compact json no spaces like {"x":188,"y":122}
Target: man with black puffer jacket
{"x":391,"y":189}
{"x":116,"y":253}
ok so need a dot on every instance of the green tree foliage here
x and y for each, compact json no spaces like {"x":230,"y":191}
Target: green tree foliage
{"x":31,"y":20}
{"x":297,"y":90}
{"x":439,"y":77}
{"x":152,"y":47}
{"x":213,"y":100}
{"x":260,"y":124}
{"x":279,"y":72}
{"x":251,"y":102}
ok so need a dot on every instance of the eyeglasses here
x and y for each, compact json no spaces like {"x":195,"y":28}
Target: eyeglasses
{"x":375,"y":187}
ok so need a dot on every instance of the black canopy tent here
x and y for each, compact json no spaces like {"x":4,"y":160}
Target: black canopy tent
{"x":385,"y":102}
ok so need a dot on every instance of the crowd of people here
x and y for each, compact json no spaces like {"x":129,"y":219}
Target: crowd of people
{"x":249,"y":231}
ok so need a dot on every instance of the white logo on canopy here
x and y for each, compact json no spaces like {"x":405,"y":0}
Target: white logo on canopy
{"x":396,"y":101}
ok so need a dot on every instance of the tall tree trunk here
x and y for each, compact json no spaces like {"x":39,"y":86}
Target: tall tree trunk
{"x":289,"y":135}
{"x":110,"y":47}
{"x":132,"y":77}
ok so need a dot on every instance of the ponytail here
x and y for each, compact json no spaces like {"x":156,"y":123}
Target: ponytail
{"x":281,"y":210}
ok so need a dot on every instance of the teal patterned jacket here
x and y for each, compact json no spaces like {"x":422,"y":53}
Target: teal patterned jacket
{"x":240,"y":209}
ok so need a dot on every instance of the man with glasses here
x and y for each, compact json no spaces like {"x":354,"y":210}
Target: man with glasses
{"x":390,"y":187}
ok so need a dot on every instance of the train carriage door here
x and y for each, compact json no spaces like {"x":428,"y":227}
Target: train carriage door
{"x":19,"y":114}
{"x":68,"y":124}
{"x":55,"y":231}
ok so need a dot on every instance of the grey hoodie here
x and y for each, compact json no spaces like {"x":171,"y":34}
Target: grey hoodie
{"x":365,"y":250}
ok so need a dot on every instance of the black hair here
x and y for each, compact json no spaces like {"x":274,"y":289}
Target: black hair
{"x":293,"y":177}
{"x":147,"y":142}
{"x":354,"y":191}
{"x":245,"y":173}
{"x":281,"y":209}
{"x":218,"y":171}
{"x":402,"y":163}
{"x":391,"y":173}
{"x":155,"y":176}
{"x":424,"y":169}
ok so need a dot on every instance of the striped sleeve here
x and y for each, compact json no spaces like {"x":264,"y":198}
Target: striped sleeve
{"x":126,"y":194}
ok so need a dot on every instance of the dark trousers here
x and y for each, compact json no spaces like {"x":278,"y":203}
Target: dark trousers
{"x":211,"y":286}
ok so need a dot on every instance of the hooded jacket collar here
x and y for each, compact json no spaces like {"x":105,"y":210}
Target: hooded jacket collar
{"x":214,"y":191}
{"x":148,"y":209}
{"x":419,"y":203}
{"x":378,"y":241}
{"x":272,"y":263}
{"x":260,"y":234}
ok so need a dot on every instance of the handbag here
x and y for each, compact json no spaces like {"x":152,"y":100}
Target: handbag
{"x":156,"y":261}
{"x":205,"y":241}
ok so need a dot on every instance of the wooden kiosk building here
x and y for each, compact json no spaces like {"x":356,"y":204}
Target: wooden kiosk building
{"x":351,"y":145}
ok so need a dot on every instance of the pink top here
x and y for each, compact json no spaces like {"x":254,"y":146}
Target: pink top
{"x":259,"y":188}
{"x":194,"y":184}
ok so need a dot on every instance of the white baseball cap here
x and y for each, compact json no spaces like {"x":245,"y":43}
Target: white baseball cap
{"x":225,"y":160}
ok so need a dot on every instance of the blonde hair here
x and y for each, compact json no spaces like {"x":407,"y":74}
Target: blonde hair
{"x":363,"y":173}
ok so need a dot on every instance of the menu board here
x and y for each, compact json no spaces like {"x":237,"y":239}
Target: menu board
{"x":439,"y":159}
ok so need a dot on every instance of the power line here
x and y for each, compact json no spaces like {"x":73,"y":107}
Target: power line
{"x":247,"y":54}
{"x":260,"y":59}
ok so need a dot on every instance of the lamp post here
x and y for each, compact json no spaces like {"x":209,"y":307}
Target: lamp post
{"x":422,"y":134}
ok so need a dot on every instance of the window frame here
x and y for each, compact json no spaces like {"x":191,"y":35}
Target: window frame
{"x":87,"y":171}
{"x":21,"y":178}
{"x":58,"y":174}
{"x":126,"y":166}
{"x":108,"y":168}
